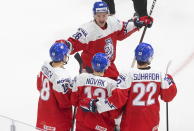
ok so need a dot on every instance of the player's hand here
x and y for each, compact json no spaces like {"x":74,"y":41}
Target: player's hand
{"x":60,"y":41}
{"x":88,"y":105}
{"x":67,"y":43}
{"x":143,"y":21}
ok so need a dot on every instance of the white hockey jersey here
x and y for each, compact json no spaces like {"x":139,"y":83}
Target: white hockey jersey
{"x":93,"y":39}
{"x":54,"y":106}
{"x":91,"y":86}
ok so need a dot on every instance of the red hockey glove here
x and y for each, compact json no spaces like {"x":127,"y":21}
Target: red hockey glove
{"x":60,"y":41}
{"x":88,"y":105}
{"x":143,"y":21}
{"x":67,"y":43}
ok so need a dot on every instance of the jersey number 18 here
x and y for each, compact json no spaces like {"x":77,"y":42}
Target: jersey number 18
{"x":45,"y":91}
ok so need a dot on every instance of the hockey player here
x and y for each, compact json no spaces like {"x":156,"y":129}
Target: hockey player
{"x":53,"y":83}
{"x":138,"y":91}
{"x":140,"y":7}
{"x":92,"y":86}
{"x":102,"y":34}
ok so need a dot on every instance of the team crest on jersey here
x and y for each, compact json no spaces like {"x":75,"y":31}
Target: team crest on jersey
{"x":108,"y":48}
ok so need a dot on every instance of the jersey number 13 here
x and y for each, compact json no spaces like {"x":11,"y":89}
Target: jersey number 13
{"x":100,"y":93}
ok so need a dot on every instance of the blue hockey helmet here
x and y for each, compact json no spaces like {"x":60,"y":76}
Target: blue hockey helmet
{"x":58,"y":51}
{"x":100,"y":6}
{"x":100,"y":62}
{"x":144,"y":52}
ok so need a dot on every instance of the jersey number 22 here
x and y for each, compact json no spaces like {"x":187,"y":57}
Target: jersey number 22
{"x":143,"y":90}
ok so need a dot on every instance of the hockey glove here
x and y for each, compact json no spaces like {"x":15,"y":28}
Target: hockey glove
{"x":88,"y":105}
{"x":143,"y":21}
{"x":67,"y":43}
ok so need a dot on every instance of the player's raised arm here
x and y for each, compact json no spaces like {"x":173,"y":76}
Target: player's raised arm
{"x":133,"y":25}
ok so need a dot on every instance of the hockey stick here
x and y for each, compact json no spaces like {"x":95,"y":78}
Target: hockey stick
{"x":73,"y":119}
{"x":144,"y":30}
{"x":79,"y":60}
{"x":168,"y":65}
{"x":167,"y":121}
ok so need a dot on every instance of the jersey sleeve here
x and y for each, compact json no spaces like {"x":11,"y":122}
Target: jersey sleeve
{"x":168,"y":88}
{"x":128,"y":28}
{"x":79,"y":40}
{"x":62,"y":91}
{"x":119,"y":95}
